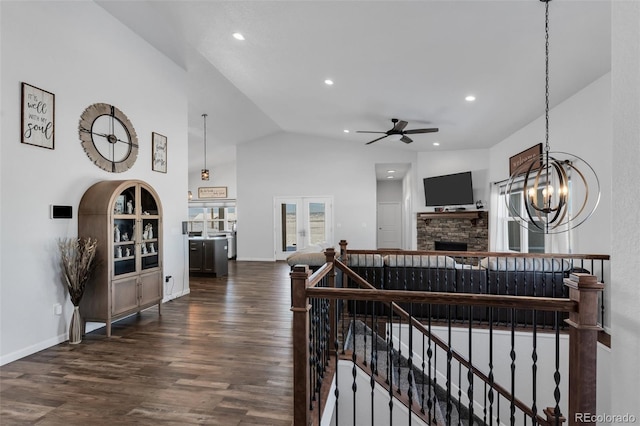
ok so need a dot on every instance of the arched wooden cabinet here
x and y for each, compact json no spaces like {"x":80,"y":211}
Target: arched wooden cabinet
{"x":125,"y":216}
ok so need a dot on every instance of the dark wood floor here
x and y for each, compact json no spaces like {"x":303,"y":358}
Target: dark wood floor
{"x":219,"y":356}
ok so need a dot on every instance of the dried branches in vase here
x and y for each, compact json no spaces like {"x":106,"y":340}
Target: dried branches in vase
{"x":77,"y":259}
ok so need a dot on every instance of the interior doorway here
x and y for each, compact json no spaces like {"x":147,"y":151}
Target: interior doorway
{"x":301,"y":222}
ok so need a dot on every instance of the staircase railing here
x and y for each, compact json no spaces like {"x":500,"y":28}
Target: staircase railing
{"x":319,"y":308}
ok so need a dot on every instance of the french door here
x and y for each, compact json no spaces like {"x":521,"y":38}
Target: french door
{"x":301,"y":222}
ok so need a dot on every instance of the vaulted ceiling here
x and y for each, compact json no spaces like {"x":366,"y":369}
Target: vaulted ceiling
{"x":412,"y":60}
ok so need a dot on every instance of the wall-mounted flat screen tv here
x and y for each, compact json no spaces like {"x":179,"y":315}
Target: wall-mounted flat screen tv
{"x":448,"y":190}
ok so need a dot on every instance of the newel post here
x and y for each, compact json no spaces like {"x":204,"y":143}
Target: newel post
{"x":330,"y":255}
{"x":583,"y":348}
{"x":343,"y":250}
{"x":300,"y":308}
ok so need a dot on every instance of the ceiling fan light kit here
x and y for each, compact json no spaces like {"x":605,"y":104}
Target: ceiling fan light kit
{"x":397,"y":132}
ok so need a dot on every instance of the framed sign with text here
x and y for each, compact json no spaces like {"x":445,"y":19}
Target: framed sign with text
{"x":38,"y":114}
{"x":158,"y":152}
{"x":525,"y":157}
{"x":212,"y":192}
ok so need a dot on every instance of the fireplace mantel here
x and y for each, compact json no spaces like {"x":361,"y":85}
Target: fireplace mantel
{"x":471,"y":215}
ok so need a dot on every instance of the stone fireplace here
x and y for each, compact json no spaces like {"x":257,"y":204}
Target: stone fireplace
{"x":452,"y":230}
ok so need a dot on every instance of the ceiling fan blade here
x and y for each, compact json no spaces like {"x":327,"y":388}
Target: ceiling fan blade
{"x":366,"y":131}
{"x":375,"y":140}
{"x":399,"y":126}
{"x":406,"y":139}
{"x":414,"y":131}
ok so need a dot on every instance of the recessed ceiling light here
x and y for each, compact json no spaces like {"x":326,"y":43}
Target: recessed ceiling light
{"x":328,"y":82}
{"x":238,"y":36}
{"x":436,"y":144}
{"x":346,"y":130}
{"x":470,"y":98}
{"x":389,"y":177}
{"x":391,"y":171}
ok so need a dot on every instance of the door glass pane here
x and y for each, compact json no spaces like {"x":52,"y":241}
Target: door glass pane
{"x":317,"y":223}
{"x":289,"y":227}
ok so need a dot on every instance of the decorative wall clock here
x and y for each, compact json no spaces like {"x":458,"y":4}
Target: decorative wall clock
{"x":108,"y":137}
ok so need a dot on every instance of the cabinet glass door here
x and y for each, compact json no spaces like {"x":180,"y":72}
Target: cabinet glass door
{"x":149,"y":243}
{"x":124,"y":232}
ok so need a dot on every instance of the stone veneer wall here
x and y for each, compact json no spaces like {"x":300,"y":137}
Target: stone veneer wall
{"x":454,"y":230}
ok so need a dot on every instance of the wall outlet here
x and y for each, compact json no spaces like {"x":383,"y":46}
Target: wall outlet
{"x":167,"y":278}
{"x":57,"y":309}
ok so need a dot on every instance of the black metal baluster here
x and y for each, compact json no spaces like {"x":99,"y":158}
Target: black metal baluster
{"x":410,"y":378}
{"x":469,"y":370}
{"x":336,"y":345}
{"x":491,"y":366}
{"x":498,"y":411}
{"x":459,"y":402}
{"x":424,"y":376}
{"x":484,"y":407}
{"x":399,"y":356}
{"x":534,"y":371}
{"x":449,"y":357}
{"x":352,"y":335}
{"x":373,"y":363}
{"x":556,"y":375}
{"x":512,"y":354}
{"x":430,"y":402}
{"x":312,"y":352}
{"x":390,"y":363}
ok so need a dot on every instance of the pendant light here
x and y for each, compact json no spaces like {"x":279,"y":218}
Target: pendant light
{"x":204,"y":173}
{"x":555,"y":191}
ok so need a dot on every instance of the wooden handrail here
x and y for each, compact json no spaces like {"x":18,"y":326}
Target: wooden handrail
{"x":442,"y":298}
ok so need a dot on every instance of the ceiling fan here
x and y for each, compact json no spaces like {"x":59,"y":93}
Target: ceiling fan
{"x":398,"y":131}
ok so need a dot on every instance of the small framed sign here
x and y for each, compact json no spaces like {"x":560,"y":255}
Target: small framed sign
{"x":212,"y":192}
{"x":158,"y":152}
{"x":525,"y":157}
{"x":38,"y":115}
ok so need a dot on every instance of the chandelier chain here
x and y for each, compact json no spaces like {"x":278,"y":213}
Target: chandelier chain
{"x":546,"y":86}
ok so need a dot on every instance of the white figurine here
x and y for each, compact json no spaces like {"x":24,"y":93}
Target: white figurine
{"x":144,"y":249}
{"x":125,"y":237}
{"x":129,"y":207}
{"x":148,"y":232}
{"x":127,"y":252}
{"x":119,"y":252}
{"x":116,"y":234}
{"x":152,"y":248}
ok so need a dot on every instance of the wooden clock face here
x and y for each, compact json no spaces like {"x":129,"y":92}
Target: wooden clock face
{"x":108,"y":137}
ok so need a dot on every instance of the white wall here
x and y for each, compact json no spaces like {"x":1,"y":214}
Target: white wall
{"x":222,"y":171}
{"x":82,"y":61}
{"x":581,"y":125}
{"x":297,"y":165}
{"x":389,"y":191}
{"x":624,"y":224}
